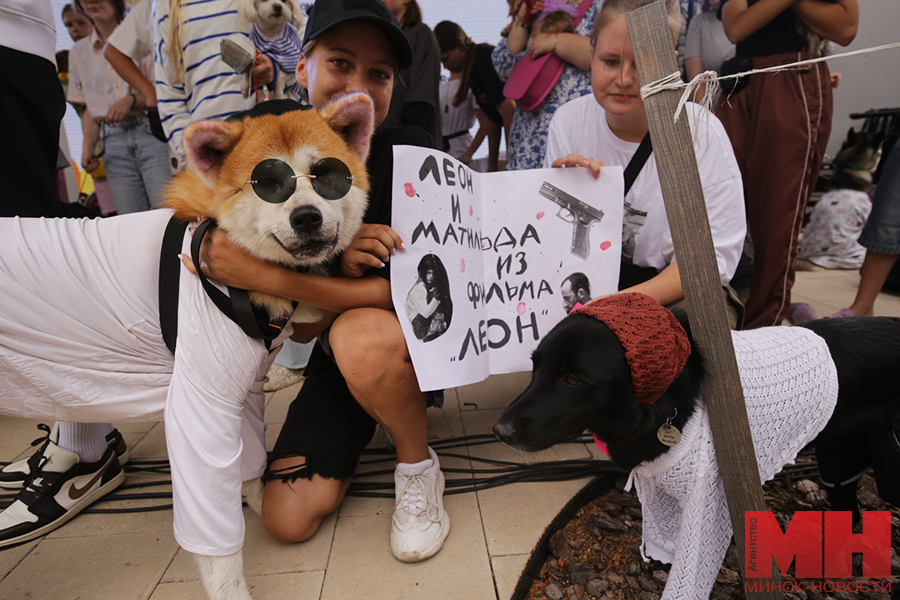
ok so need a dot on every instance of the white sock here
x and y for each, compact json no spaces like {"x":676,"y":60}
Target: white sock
{"x":87,"y":440}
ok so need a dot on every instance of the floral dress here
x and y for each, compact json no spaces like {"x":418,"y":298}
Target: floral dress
{"x":528,"y":133}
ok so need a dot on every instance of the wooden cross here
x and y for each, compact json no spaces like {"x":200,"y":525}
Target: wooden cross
{"x":651,"y":40}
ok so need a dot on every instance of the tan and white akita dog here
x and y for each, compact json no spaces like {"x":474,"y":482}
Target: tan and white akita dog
{"x":80,"y":333}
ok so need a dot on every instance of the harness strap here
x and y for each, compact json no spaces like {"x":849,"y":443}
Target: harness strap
{"x":169,"y":274}
{"x":235,"y":305}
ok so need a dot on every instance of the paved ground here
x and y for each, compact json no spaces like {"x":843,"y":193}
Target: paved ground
{"x":134,"y":556}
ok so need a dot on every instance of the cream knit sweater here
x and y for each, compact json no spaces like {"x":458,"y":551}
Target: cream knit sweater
{"x":790,"y":388}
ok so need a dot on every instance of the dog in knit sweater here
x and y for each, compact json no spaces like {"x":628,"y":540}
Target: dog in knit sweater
{"x":624,"y":366}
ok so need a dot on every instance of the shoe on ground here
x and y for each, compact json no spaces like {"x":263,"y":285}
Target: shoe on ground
{"x":420,"y":524}
{"x":13,"y":475}
{"x":280,"y":377}
{"x":59,"y":487}
{"x":844,"y":313}
{"x":799,"y":312}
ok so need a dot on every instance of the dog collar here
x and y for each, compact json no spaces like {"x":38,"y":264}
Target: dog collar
{"x":656,"y":345}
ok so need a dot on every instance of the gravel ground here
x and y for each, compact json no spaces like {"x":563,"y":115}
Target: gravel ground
{"x":596,"y":555}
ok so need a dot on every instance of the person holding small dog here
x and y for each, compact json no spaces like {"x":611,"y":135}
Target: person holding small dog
{"x":192,"y":82}
{"x":612,"y":125}
{"x":360,"y":372}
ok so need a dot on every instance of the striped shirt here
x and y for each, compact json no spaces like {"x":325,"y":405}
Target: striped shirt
{"x":285,"y":50}
{"x":211,"y":89}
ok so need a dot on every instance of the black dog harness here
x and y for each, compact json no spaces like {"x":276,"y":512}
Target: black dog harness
{"x":254,"y":321}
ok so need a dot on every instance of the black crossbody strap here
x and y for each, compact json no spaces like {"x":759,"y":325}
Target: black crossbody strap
{"x":236,"y":304}
{"x":637,"y":162}
{"x":169,"y":274}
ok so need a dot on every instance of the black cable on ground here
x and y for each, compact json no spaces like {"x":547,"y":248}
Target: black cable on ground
{"x":497,"y":473}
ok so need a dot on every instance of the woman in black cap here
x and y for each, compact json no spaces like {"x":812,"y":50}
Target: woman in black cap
{"x":360,"y":372}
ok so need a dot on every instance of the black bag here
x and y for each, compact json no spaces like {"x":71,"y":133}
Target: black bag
{"x":732,"y":66}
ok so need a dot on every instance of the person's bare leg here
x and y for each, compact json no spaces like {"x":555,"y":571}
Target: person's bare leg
{"x":292,"y":511}
{"x":371,"y":352}
{"x":874,"y":272}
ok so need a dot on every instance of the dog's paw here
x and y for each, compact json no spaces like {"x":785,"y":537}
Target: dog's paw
{"x":223,"y":576}
{"x":252,"y":493}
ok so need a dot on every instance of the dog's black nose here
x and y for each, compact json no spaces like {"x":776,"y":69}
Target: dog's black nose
{"x":277,"y":8}
{"x":504,"y":431}
{"x":306,"y":219}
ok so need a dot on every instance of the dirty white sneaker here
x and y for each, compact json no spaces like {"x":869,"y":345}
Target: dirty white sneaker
{"x":420,"y":524}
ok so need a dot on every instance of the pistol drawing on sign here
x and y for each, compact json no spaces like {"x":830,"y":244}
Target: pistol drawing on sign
{"x":577,"y":212}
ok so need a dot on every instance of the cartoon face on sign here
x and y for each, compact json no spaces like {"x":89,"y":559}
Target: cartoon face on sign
{"x":429,"y":307}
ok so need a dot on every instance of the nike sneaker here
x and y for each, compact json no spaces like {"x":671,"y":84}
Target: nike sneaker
{"x":13,"y":475}
{"x":58,"y":487}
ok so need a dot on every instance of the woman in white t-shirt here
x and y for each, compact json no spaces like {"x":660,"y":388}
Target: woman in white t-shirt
{"x":136,"y":163}
{"x":609,"y":126}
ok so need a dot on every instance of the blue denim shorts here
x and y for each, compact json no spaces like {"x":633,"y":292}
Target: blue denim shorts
{"x":882,"y":230}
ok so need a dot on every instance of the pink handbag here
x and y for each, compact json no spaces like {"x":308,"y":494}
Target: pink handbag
{"x":532,"y":79}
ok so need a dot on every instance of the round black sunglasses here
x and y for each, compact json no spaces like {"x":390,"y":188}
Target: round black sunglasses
{"x":274,"y":180}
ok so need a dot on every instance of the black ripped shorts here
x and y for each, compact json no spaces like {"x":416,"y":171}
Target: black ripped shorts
{"x":325,"y":424}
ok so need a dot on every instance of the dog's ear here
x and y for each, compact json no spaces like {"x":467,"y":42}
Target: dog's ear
{"x":353,"y":118}
{"x":247,"y":10}
{"x":298,"y":17}
{"x":206,"y":143}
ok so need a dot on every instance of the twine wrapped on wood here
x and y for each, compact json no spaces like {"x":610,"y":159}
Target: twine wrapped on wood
{"x":711,"y":79}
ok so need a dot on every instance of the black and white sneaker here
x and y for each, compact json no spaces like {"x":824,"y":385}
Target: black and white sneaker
{"x":13,"y":475}
{"x":59,"y":487}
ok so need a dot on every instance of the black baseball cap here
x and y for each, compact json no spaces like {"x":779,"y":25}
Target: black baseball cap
{"x":325,"y":14}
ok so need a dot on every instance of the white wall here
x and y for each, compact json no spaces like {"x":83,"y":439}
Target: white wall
{"x":869,"y":80}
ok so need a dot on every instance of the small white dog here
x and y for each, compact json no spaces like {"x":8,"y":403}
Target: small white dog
{"x":277,"y":30}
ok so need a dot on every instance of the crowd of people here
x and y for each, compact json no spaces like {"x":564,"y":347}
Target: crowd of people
{"x":140,"y":79}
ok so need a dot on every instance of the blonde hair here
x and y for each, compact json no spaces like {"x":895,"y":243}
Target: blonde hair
{"x":174,"y":49}
{"x":613,"y":9}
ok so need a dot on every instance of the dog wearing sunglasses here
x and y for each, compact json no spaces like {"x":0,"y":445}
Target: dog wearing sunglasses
{"x":80,"y":328}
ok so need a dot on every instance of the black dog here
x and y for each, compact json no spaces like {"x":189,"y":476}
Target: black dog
{"x":581,"y":381}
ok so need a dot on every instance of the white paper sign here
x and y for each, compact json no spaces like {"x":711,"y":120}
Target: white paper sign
{"x":491,"y":260}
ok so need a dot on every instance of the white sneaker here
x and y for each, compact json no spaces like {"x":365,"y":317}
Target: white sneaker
{"x":420,"y":524}
{"x":58,"y":487}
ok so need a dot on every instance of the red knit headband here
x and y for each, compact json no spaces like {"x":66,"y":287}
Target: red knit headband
{"x":656,"y":345}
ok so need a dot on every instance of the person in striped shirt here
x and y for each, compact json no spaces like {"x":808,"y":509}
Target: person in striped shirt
{"x":192,"y":81}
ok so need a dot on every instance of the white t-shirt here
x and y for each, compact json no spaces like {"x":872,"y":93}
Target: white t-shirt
{"x":80,"y":340}
{"x":580,"y":127}
{"x":28,"y":26}
{"x":133,"y":36}
{"x":92,"y":80}
{"x":790,"y":389}
{"x":457,"y":118}
{"x":706,"y":38}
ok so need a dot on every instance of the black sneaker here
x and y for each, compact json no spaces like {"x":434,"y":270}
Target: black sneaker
{"x":13,"y":475}
{"x":59,"y":487}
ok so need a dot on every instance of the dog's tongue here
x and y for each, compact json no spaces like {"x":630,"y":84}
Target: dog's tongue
{"x":601,"y":445}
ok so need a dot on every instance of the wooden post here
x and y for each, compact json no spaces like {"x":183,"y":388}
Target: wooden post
{"x":651,"y":40}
